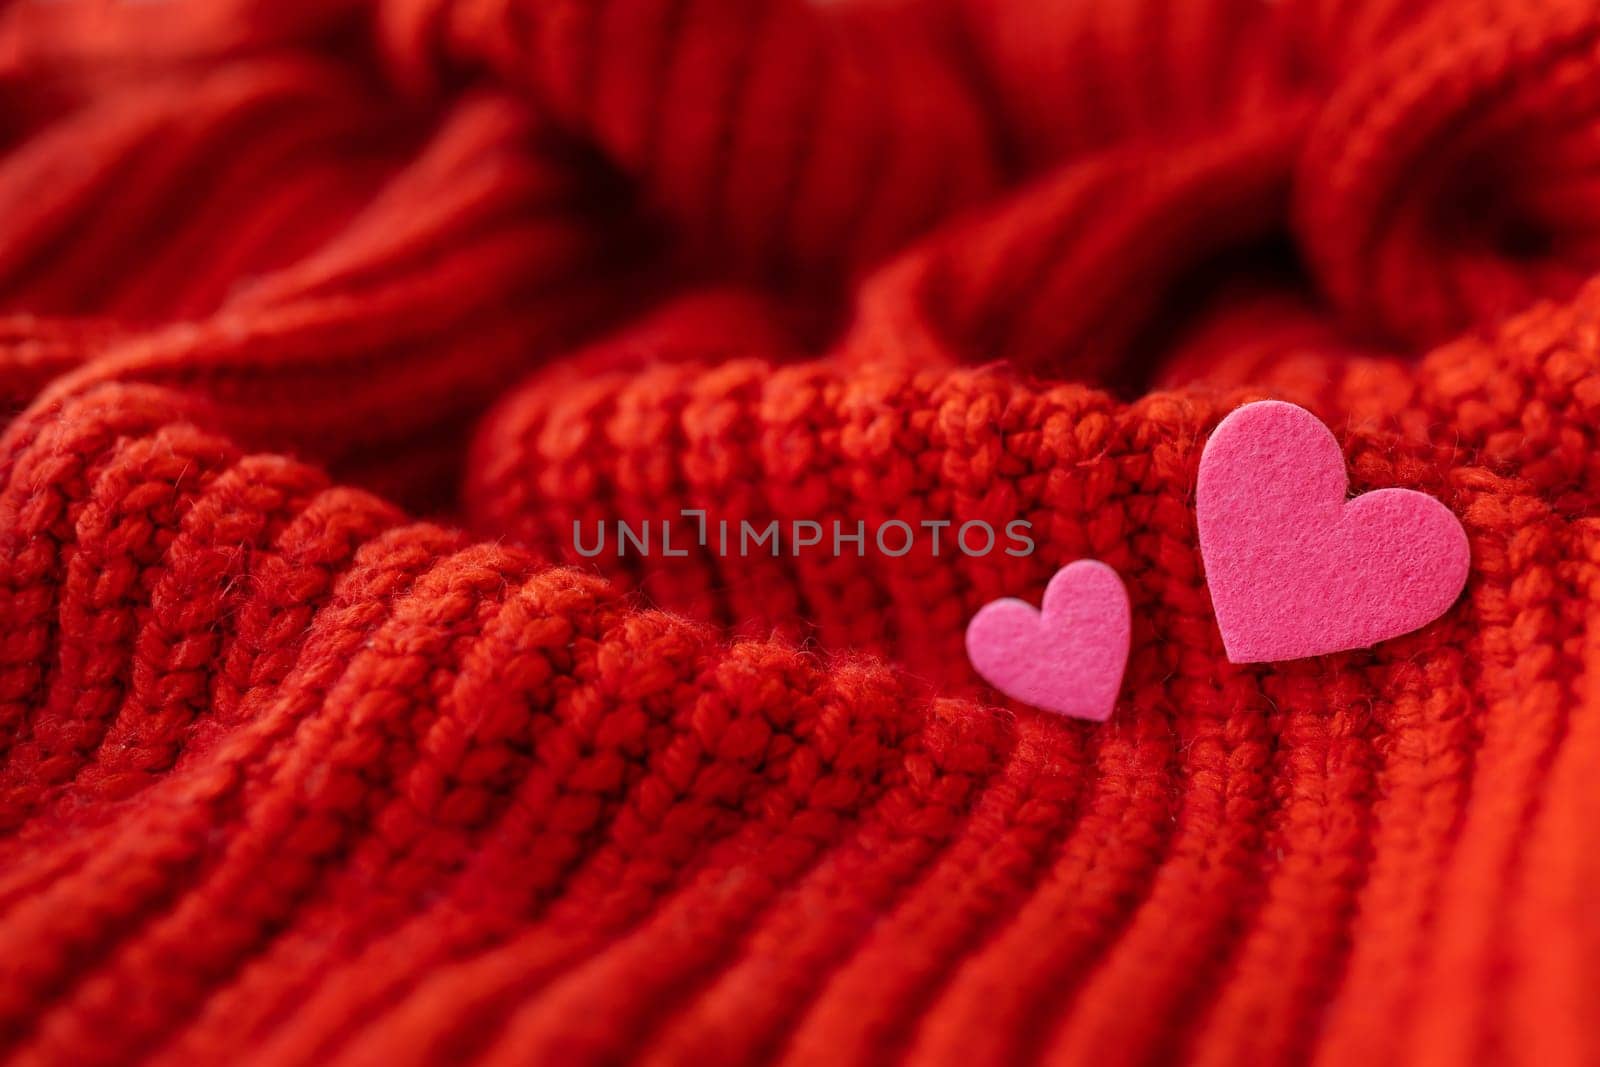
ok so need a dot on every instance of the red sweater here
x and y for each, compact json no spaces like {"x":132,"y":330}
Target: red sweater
{"x":288,"y":775}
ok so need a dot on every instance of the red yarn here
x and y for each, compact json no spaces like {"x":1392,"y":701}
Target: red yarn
{"x":289,"y":776}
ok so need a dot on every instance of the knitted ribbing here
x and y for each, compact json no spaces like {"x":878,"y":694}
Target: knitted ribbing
{"x":290,"y":775}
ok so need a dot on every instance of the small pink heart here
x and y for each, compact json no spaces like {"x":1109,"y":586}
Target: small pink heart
{"x":1067,"y":658}
{"x":1296,"y":569}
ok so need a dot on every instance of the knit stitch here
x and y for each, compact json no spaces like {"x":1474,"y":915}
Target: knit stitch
{"x":321,"y":324}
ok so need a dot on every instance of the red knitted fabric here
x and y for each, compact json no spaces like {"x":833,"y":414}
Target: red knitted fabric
{"x":291,"y":776}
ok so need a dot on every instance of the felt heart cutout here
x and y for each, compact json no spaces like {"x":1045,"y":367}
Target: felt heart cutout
{"x":1067,"y":657}
{"x":1295,"y":568}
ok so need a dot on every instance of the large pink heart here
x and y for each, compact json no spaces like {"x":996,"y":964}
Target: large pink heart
{"x":1067,"y":658}
{"x":1296,"y":569}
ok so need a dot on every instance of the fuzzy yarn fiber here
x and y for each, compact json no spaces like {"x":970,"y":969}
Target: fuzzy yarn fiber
{"x":322,"y":321}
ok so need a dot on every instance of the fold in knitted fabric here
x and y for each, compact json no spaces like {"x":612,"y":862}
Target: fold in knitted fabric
{"x":324,"y":323}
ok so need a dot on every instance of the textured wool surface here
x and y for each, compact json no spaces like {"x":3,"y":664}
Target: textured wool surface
{"x":325,"y":320}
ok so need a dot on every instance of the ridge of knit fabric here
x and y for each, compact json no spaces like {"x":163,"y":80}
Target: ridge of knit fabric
{"x":289,"y":774}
